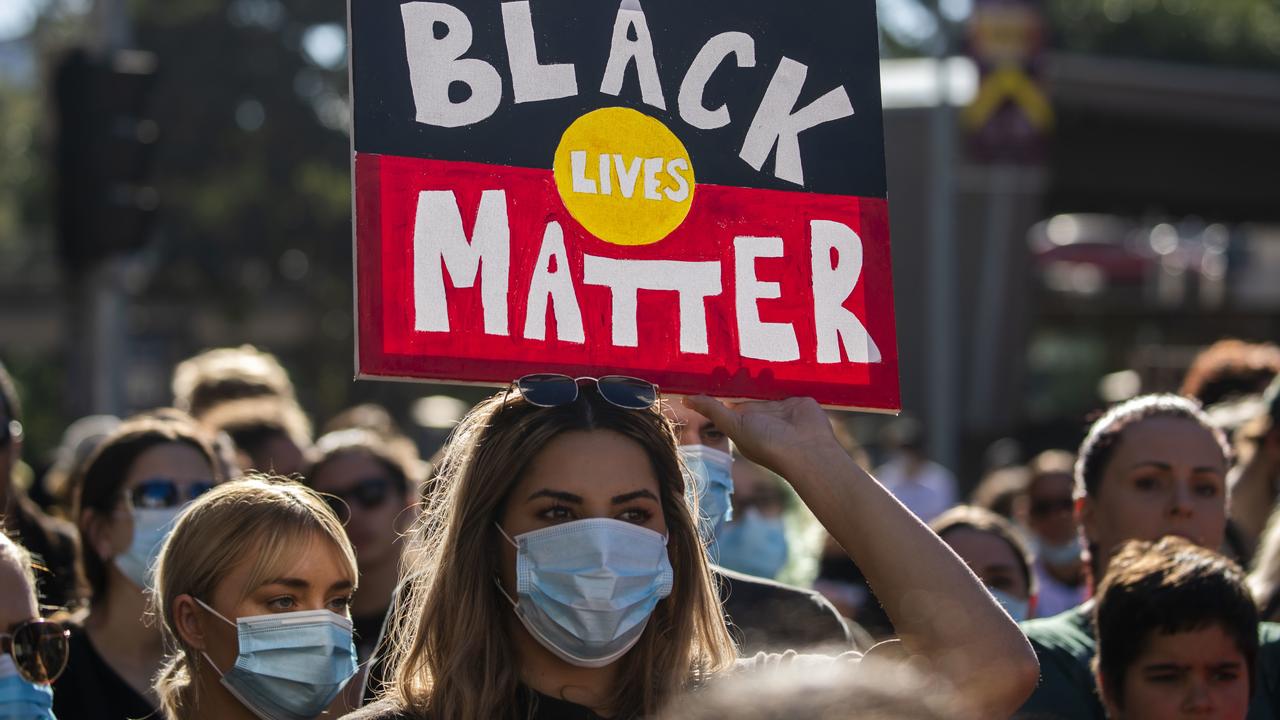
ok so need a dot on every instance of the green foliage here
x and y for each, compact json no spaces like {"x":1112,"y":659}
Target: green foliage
{"x":1243,"y":33}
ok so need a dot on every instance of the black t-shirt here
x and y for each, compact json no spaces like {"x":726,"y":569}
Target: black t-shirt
{"x":89,"y":688}
{"x":545,"y":708}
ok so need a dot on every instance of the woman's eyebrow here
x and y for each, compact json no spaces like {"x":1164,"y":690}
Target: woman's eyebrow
{"x":557,"y":495}
{"x":341,"y":585}
{"x":628,"y":497}
{"x":291,"y":582}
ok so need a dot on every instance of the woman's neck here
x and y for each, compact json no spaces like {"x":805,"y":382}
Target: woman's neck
{"x":377,"y":585}
{"x":543,"y":672}
{"x":116,"y":623}
{"x":213,"y":701}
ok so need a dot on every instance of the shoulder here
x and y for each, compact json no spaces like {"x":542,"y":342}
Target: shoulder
{"x":781,"y":612}
{"x":1064,"y":645}
{"x":1070,"y":631}
{"x":758,"y":589}
{"x":382,"y":710}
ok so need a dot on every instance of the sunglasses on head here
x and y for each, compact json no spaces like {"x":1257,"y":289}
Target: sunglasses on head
{"x":9,"y":431}
{"x":164,"y":492}
{"x":38,"y":648}
{"x":552,"y":390}
{"x":368,"y":494}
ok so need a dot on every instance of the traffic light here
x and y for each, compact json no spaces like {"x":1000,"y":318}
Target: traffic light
{"x":105,"y":148}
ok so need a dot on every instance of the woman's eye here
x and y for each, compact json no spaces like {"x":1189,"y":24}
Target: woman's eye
{"x":1226,"y":675}
{"x":557,"y":512}
{"x":1207,"y":490}
{"x":341,"y":605}
{"x":282,"y":603}
{"x":635,"y":515}
{"x":1146,"y":482}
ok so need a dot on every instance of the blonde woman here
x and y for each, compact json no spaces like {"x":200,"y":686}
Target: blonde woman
{"x":252,"y":589}
{"x":559,"y":574}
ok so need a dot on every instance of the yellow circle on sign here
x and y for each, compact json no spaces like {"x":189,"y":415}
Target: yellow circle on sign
{"x":624,"y":176}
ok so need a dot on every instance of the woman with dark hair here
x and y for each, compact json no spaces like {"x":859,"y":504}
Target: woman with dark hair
{"x":1150,"y":467}
{"x":995,"y":552}
{"x":125,"y":499}
{"x":558,"y":571}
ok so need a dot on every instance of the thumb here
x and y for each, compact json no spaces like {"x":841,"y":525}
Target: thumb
{"x":717,"y":412}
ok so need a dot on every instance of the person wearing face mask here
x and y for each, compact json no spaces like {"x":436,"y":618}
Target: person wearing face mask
{"x":33,"y":651}
{"x":1150,"y":467}
{"x":762,"y":614}
{"x":126,"y":498}
{"x":253,"y":590}
{"x":755,"y":541}
{"x":1059,"y":553}
{"x":558,"y":571}
{"x":994,"y":551}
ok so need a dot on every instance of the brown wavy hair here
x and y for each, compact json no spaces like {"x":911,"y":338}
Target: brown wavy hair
{"x":451,"y":659}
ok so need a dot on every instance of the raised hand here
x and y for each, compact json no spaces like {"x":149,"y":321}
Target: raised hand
{"x":782,"y":436}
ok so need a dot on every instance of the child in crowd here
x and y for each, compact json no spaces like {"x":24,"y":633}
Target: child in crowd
{"x":1177,"y":634}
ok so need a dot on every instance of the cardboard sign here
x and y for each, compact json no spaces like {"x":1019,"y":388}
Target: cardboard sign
{"x":688,"y":192}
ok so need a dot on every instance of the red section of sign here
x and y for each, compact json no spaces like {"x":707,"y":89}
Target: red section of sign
{"x":387,"y":190}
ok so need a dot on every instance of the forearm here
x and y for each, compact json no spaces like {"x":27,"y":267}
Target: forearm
{"x":940,"y":610}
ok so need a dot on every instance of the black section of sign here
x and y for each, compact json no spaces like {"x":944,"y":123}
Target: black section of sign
{"x":837,"y":41}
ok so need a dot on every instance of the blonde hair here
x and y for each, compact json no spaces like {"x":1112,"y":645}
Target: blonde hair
{"x":451,"y":657}
{"x":12,"y":552}
{"x":229,"y":373}
{"x":260,"y":517}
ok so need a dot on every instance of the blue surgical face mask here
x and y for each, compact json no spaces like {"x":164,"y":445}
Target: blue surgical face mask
{"x":586,"y":588}
{"x":150,"y":527}
{"x":20,"y":699}
{"x":291,"y":665}
{"x":1019,"y":610}
{"x":1060,"y":555}
{"x":712,"y":484}
{"x":754,"y":544}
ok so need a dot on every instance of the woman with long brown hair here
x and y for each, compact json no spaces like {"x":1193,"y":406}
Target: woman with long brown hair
{"x":558,"y":572}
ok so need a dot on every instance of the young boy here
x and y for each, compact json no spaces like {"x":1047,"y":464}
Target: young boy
{"x":1177,"y":634}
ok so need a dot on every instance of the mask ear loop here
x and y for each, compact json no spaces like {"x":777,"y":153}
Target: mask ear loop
{"x":223,"y":618}
{"x":498,"y":582}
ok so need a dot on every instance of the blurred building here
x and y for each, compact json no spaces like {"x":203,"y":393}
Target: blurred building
{"x":1151,"y":228}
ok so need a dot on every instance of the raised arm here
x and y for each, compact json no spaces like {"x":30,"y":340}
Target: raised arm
{"x":942,"y":613}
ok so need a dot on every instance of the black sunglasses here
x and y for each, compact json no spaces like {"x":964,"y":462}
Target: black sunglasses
{"x":9,"y":431}
{"x":369,"y":493}
{"x":162,"y":492}
{"x":38,"y":648}
{"x":552,"y":390}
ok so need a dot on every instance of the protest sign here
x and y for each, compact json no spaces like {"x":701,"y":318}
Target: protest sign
{"x":688,"y":192}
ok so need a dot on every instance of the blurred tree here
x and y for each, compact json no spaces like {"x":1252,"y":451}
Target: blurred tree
{"x":1238,"y":33}
{"x":253,"y":167}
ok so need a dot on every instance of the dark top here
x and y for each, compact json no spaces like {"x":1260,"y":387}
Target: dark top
{"x":367,"y":631}
{"x":54,"y":547}
{"x":89,"y":688}
{"x":767,"y":616}
{"x":1065,"y":646}
{"x":545,"y":707}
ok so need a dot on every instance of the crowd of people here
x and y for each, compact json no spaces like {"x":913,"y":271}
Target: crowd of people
{"x":587,"y":548}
